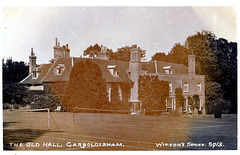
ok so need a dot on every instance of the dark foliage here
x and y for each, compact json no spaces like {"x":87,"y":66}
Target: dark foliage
{"x":123,"y":54}
{"x":153,"y":92}
{"x":217,"y":108}
{"x":13,"y":73}
{"x":87,"y":88}
{"x":179,"y":97}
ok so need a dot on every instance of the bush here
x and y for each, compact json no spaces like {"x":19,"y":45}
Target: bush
{"x":217,"y":108}
{"x":6,"y":106}
{"x":15,"y":106}
{"x":43,"y":102}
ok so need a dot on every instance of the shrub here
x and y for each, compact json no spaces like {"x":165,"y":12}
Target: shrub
{"x":16,"y":106}
{"x":217,"y":108}
{"x":6,"y":106}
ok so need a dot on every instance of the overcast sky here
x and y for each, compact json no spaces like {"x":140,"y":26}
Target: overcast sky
{"x":154,"y":29}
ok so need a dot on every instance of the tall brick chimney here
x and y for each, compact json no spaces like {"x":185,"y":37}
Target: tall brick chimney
{"x":32,"y":61}
{"x":103,"y":54}
{"x":191,"y":64}
{"x":134,"y":70}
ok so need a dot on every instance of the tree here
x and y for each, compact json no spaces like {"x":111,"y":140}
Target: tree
{"x":190,"y":102}
{"x":123,"y":54}
{"x":13,"y":73}
{"x":92,"y":51}
{"x":196,"y":102}
{"x":179,"y":98}
{"x":87,"y":88}
{"x":226,"y":53}
{"x":161,"y":56}
{"x":179,"y":54}
{"x":202,"y":45}
{"x":213,"y":91}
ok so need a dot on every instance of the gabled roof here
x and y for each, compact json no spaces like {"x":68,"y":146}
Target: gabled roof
{"x":64,"y":76}
{"x":158,"y":67}
{"x":121,"y":67}
{"x":103,"y":64}
{"x":42,"y":70}
{"x":48,"y":71}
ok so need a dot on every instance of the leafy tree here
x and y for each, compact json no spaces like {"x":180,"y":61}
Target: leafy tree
{"x":196,"y":102}
{"x":153,"y":92}
{"x":226,"y":53}
{"x":190,"y":102}
{"x":13,"y":73}
{"x":201,"y":45}
{"x":179,"y":97}
{"x":123,"y":54}
{"x":213,"y":91}
{"x":14,"y":93}
{"x":179,"y":54}
{"x":161,"y":56}
{"x":92,"y":51}
{"x":86,"y":87}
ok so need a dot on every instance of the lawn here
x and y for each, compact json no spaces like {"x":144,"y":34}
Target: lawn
{"x":100,"y":131}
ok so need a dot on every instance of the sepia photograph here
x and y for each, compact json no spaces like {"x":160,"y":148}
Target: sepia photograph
{"x":119,"y":78}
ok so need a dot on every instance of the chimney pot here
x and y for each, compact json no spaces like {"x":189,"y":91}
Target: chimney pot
{"x":56,"y":41}
{"x":134,"y":46}
{"x":67,"y":46}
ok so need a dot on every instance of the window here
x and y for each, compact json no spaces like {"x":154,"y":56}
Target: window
{"x":199,"y":87}
{"x":59,"y":69}
{"x":170,"y":87}
{"x":112,"y":69}
{"x":120,"y":92}
{"x":185,"y":87}
{"x":35,"y":74}
{"x":109,"y":94}
{"x":168,"y":69}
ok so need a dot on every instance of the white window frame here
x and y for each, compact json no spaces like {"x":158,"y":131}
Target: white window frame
{"x":185,"y":87}
{"x":59,"y":69}
{"x":170,"y":86}
{"x":199,"y":87}
{"x":35,"y":74}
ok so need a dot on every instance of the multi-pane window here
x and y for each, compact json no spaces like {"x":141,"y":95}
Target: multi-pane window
{"x":170,"y":87}
{"x":199,"y":87}
{"x":59,"y":69}
{"x":185,"y":87}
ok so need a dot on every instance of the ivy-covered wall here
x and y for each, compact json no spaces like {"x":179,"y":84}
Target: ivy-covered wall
{"x":153,"y":92}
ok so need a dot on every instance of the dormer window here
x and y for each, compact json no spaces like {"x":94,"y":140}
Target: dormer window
{"x":112,"y":69}
{"x":59,"y":69}
{"x":168,"y":69}
{"x":35,"y":74}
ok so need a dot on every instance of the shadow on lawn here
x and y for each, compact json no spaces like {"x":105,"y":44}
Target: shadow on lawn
{"x":6,"y":124}
{"x":20,"y":136}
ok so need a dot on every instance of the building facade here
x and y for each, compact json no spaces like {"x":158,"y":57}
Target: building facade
{"x":119,"y":74}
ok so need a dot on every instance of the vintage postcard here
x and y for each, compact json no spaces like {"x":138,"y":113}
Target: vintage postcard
{"x":119,"y":78}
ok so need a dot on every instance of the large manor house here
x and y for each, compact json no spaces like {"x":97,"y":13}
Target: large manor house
{"x":119,"y":73}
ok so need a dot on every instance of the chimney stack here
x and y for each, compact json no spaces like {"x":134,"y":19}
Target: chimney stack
{"x":191,"y":64}
{"x":32,"y":61}
{"x":32,"y":51}
{"x":56,"y":41}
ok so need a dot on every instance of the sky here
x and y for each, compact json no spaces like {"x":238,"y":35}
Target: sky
{"x":154,"y":29}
